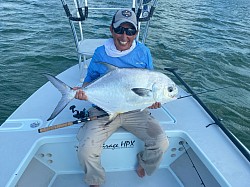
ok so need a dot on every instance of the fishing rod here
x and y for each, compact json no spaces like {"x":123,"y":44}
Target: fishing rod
{"x":207,"y":91}
{"x":84,"y":119}
{"x":236,"y":142}
{"x":45,"y":129}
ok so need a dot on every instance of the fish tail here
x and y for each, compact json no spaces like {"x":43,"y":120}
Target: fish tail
{"x":66,"y":92}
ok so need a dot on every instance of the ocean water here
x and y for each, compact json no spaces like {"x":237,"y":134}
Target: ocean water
{"x":208,"y":40}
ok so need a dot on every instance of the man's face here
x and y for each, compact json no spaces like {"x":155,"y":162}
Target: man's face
{"x":123,"y":41}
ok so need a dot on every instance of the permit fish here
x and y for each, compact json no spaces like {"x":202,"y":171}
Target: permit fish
{"x":121,"y":90}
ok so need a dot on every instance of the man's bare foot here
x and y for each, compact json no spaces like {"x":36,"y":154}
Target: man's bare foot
{"x":140,"y":171}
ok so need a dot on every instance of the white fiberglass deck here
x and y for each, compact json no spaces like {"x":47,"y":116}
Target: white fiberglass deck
{"x":56,"y":161}
{"x":29,"y":158}
{"x":162,"y":177}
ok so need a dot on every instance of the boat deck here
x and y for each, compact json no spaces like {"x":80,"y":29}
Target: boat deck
{"x":162,"y":177}
{"x":57,"y":162}
{"x":30,"y":158}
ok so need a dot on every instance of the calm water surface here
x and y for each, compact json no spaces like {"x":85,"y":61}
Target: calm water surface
{"x":209,"y":40}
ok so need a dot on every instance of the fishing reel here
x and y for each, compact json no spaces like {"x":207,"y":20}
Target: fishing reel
{"x":79,"y":114}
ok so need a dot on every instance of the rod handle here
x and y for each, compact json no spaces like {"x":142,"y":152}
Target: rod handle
{"x":45,"y":129}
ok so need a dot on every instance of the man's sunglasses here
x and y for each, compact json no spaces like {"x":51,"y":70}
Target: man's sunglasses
{"x":129,"y":31}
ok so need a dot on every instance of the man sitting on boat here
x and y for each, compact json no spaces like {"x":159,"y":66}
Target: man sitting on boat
{"x":122,"y":50}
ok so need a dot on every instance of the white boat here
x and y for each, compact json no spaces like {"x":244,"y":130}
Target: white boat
{"x":202,"y":151}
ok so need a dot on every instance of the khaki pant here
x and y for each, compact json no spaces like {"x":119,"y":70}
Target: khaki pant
{"x":93,"y":134}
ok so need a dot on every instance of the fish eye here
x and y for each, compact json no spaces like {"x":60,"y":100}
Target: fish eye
{"x":170,"y":89}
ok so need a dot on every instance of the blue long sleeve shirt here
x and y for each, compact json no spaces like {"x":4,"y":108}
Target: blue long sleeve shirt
{"x":139,"y":57}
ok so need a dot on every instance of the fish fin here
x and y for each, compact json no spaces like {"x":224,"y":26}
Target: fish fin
{"x":66,"y":92}
{"x":143,"y":92}
{"x":112,"y":117}
{"x":110,"y":67}
{"x":60,"y":106}
{"x":156,"y":89}
{"x":61,"y":86}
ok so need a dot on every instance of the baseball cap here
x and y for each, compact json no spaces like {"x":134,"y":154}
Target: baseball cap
{"x":124,"y":15}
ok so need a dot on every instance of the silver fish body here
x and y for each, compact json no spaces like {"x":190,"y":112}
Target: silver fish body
{"x":121,"y":90}
{"x":126,"y":89}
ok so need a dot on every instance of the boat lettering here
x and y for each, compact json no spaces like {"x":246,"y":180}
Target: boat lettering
{"x":120,"y":145}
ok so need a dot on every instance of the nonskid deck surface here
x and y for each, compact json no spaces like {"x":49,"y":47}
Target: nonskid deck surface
{"x":162,"y":177}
